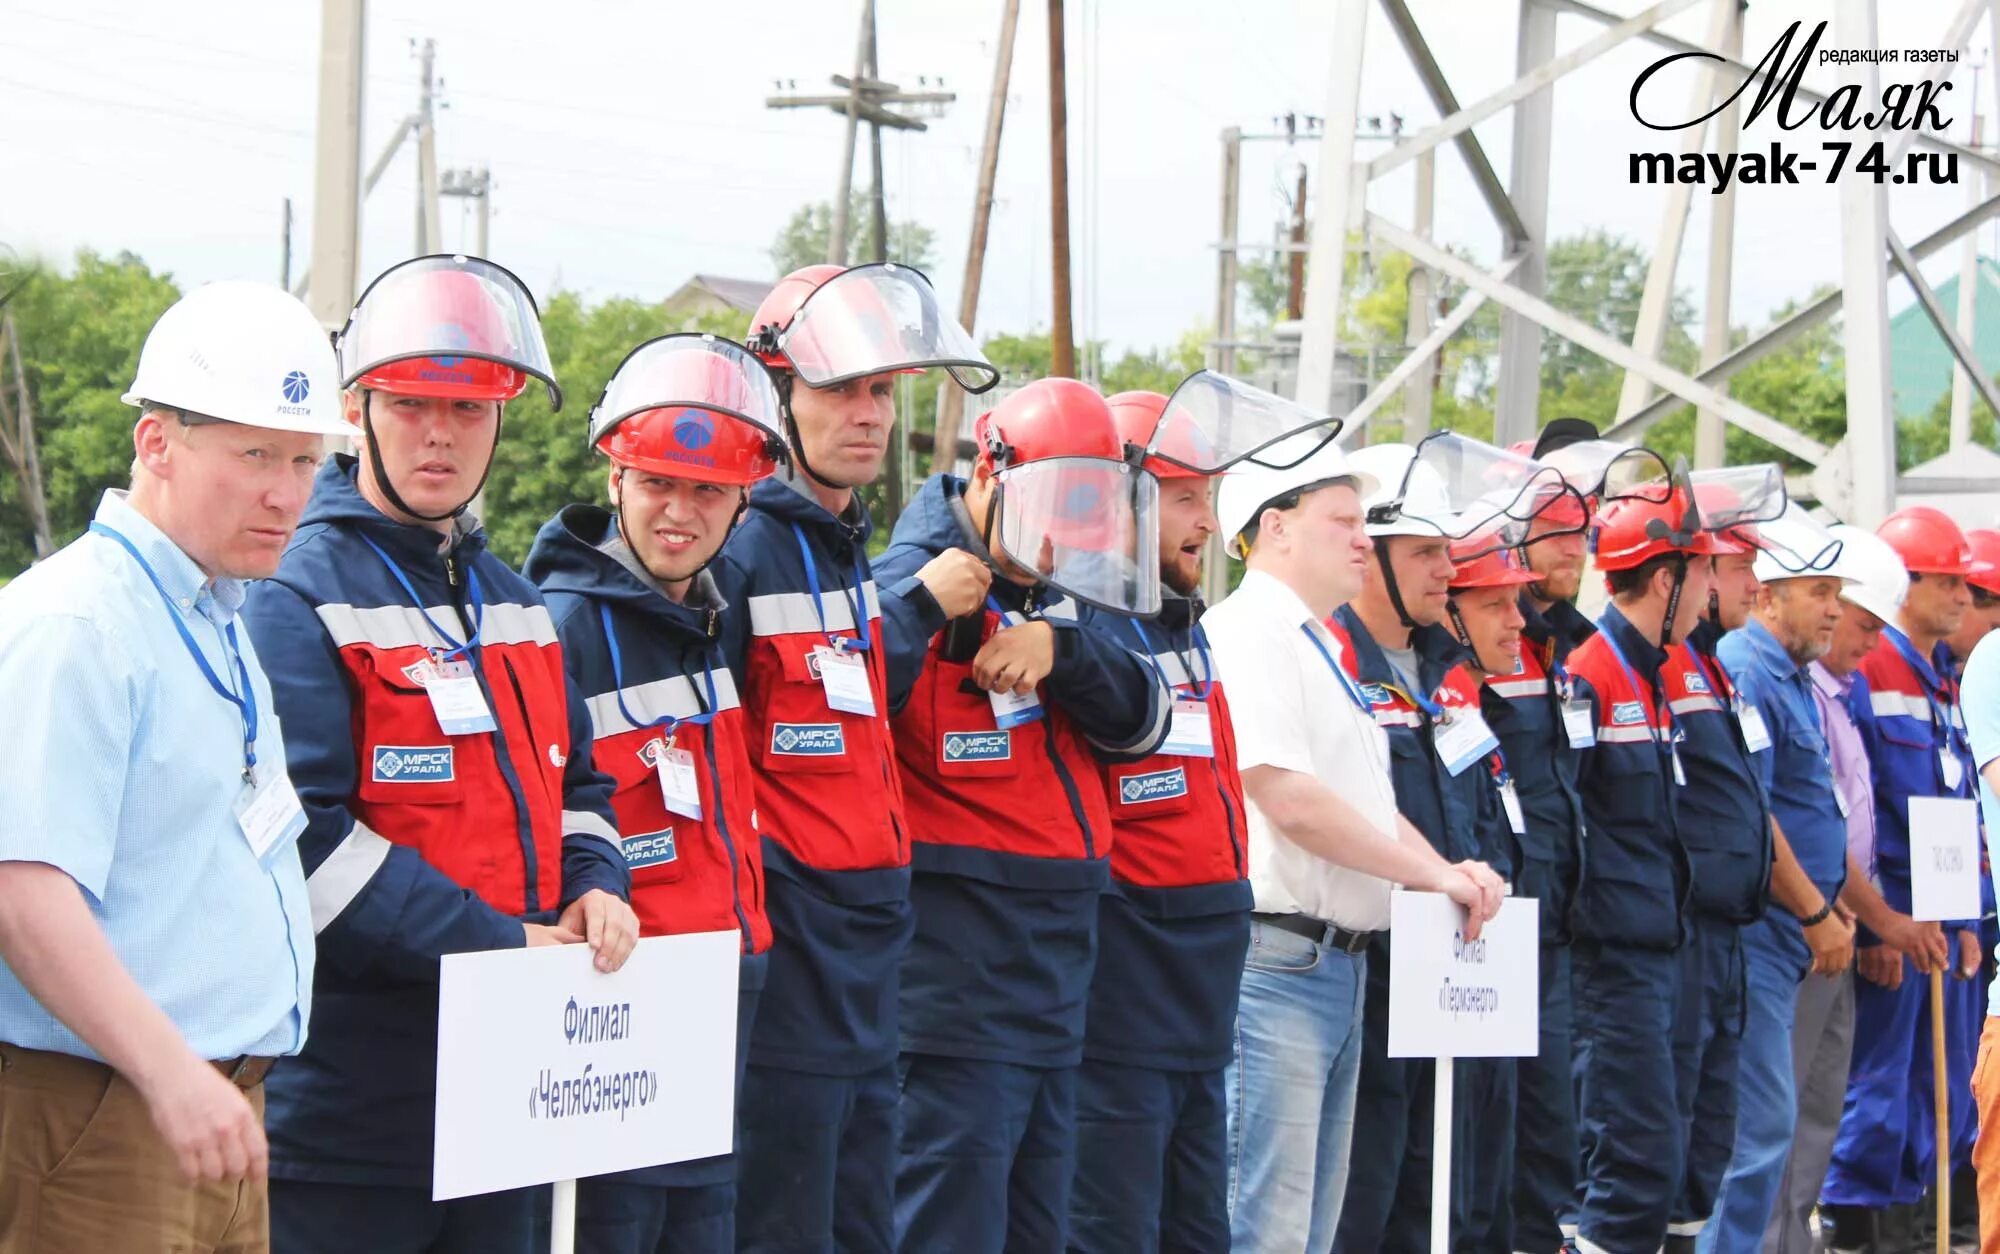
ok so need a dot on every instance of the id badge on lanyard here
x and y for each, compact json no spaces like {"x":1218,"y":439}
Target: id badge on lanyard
{"x":270,"y":816}
{"x":1463,"y":739}
{"x":1189,"y":734}
{"x":844,"y":676}
{"x":1510,"y":800}
{"x":678,"y":785}
{"x":456,"y":699}
{"x":1756,"y":736}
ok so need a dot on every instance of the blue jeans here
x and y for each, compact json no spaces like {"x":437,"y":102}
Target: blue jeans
{"x":1291,"y":1092}
{"x":1775,"y":960}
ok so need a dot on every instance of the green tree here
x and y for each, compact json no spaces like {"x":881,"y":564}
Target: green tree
{"x":80,"y":337}
{"x":803,"y":239}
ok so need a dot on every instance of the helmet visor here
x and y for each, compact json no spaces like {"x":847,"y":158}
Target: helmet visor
{"x":1608,"y":470}
{"x":446,"y":313}
{"x":1212,"y":421}
{"x":1464,"y":488}
{"x":1086,"y":526}
{"x":1797,"y":544}
{"x":875,"y":319}
{"x":1735,"y":496}
{"x":699,"y":371}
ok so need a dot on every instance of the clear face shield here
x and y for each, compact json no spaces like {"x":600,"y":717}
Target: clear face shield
{"x":877,"y":319}
{"x":1734,"y":497}
{"x":1480,"y":497}
{"x":451,"y":318}
{"x":1087,"y":526}
{"x":695,"y":370}
{"x":1211,"y":422}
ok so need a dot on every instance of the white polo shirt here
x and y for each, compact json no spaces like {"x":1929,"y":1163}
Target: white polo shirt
{"x":1289,"y":710}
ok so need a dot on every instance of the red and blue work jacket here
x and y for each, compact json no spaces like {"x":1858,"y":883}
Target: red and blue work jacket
{"x":420,"y":841}
{"x":829,"y":801}
{"x":1452,"y":803}
{"x":1633,"y":889}
{"x":656,"y":682}
{"x":1174,"y":925}
{"x":1012,"y":823}
{"x":1725,"y":816}
{"x":1536,"y":711}
{"x":1917,"y":747}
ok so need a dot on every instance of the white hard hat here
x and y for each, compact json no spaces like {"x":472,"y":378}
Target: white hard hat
{"x":1879,"y":579}
{"x":1419,"y":493}
{"x":1251,"y":485}
{"x":1794,"y":546}
{"x":243,"y":352}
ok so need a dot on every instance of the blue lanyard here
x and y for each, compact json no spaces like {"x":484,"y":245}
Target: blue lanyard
{"x":477,"y":614}
{"x":667,"y":721}
{"x":1407,"y":689}
{"x":1652,"y":704}
{"x":1200,"y":687}
{"x":245,"y":701}
{"x":842,"y":643}
{"x":1723,"y":688}
{"x":1353,"y":693}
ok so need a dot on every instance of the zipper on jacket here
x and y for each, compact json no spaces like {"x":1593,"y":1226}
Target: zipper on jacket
{"x":1069,"y":787}
{"x":736,"y":864}
{"x":525,"y":825}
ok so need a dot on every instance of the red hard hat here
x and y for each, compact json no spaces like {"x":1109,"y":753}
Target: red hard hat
{"x":1488,"y":567}
{"x":462,"y":329}
{"x":775,"y":311}
{"x":690,"y":443}
{"x":1928,"y":541}
{"x":1985,"y":559}
{"x":1630,"y":531}
{"x":1138,"y":417}
{"x":1048,"y":418}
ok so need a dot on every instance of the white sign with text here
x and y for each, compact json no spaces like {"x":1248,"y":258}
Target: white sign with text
{"x":1944,"y":858}
{"x":549,"y":1069}
{"x":1454,"y":998}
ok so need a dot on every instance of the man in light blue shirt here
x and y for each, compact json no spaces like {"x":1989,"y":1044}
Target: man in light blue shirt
{"x":156,"y":943}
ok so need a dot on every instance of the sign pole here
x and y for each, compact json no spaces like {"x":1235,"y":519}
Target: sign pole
{"x":1441,"y":1158}
{"x":1938,"y":1084}
{"x":562,"y":1219}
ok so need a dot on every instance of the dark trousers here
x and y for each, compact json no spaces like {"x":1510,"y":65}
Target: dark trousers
{"x":309,"y":1218}
{"x":1628,"y":1119}
{"x":1545,"y":1148}
{"x":1152,"y":1163}
{"x":816,"y":1162}
{"x":988,"y":1154}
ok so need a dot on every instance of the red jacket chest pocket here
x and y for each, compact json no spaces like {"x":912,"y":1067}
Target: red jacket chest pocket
{"x":402,"y":756}
{"x":802,"y":733}
{"x":964,"y":740}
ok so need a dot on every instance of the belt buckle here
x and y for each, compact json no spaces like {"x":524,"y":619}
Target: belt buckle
{"x":245,"y":1066}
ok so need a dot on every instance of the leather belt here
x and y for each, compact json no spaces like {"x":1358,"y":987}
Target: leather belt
{"x":1318,"y":931}
{"x":245,"y":1072}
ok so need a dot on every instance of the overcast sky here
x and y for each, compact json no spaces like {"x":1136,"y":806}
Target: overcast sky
{"x":631,"y":146}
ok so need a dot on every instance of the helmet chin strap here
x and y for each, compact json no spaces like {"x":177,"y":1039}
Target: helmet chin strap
{"x":388,"y":488}
{"x":618,"y":516}
{"x":798,"y":443}
{"x":1389,"y":583}
{"x":1674,"y":600}
{"x":1464,"y":636}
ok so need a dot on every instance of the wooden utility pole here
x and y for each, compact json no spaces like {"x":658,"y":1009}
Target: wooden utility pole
{"x":17,"y":439}
{"x":1295,"y":263}
{"x":951,"y":413}
{"x":1062,"y":338}
{"x":337,"y":161}
{"x":430,"y":233}
{"x":863,"y":98}
{"x":836,"y":238}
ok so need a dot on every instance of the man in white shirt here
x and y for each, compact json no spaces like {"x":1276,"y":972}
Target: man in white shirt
{"x":1325,"y":839}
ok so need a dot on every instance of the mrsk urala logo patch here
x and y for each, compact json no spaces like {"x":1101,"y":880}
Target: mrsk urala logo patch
{"x":412,"y":764}
{"x":1153,"y":786}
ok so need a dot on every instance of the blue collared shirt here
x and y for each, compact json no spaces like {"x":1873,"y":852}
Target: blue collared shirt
{"x":1797,"y":769}
{"x":124,"y":770}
